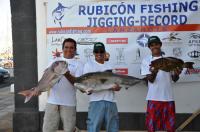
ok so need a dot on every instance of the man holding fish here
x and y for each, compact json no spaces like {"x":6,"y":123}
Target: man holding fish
{"x":61,"y":102}
{"x":161,"y":106}
{"x":102,"y":107}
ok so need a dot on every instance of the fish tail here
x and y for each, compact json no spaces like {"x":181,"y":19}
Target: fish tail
{"x":27,"y":93}
{"x":188,"y":65}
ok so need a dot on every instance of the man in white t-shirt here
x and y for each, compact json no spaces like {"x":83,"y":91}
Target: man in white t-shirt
{"x":61,"y":102}
{"x":161,"y":106}
{"x":102,"y":107}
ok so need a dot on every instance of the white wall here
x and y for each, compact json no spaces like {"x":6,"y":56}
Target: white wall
{"x":187,"y":95}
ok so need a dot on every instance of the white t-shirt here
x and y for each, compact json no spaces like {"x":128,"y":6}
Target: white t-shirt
{"x":63,"y":92}
{"x":93,"y":66}
{"x":161,"y":88}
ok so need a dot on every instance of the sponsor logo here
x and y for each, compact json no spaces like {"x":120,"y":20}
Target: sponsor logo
{"x":86,"y":41}
{"x":192,"y":71}
{"x":192,"y":43}
{"x":88,"y":53}
{"x":57,"y":40}
{"x":172,"y":37}
{"x":117,"y":40}
{"x":142,"y":40}
{"x":59,"y":12}
{"x":194,"y":54}
{"x":194,"y":40}
{"x":177,"y":52}
{"x":123,"y":71}
{"x":194,"y":36}
{"x":56,"y":53}
{"x":136,"y":56}
{"x":120,"y":56}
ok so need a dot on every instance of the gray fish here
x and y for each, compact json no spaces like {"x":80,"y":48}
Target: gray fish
{"x":100,"y":81}
{"x":50,"y":77}
{"x":170,"y":63}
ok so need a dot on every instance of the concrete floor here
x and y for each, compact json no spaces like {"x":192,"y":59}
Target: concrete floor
{"x":6,"y":109}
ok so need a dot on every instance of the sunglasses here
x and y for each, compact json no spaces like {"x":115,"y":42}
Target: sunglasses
{"x":99,"y":51}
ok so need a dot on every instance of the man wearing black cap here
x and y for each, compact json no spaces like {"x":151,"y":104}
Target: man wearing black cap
{"x":102,"y":107}
{"x":161,"y":106}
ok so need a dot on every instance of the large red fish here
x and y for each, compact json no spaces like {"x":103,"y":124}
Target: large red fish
{"x":50,"y":77}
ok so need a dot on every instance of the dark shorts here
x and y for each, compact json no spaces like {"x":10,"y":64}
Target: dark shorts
{"x":160,"y":116}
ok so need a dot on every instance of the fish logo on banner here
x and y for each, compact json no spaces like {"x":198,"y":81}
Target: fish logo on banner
{"x":142,"y":40}
{"x":172,"y":37}
{"x":59,"y":12}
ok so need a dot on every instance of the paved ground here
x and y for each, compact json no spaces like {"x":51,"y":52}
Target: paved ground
{"x":6,"y":109}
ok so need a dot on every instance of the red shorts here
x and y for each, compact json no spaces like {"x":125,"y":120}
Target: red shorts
{"x":160,"y":116}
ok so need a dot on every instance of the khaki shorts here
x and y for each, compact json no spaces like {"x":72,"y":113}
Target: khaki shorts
{"x":53,"y":114}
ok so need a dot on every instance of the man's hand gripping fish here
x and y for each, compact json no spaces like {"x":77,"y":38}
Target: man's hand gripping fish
{"x":50,"y":77}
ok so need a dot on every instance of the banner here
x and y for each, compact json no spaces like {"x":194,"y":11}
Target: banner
{"x":124,"y":28}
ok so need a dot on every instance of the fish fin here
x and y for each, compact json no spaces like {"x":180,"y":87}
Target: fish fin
{"x":110,"y":70}
{"x":28,"y":98}
{"x":103,"y":80}
{"x":188,"y":65}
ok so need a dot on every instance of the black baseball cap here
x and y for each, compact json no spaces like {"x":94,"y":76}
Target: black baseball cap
{"x":154,"y":39}
{"x":99,"y":46}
